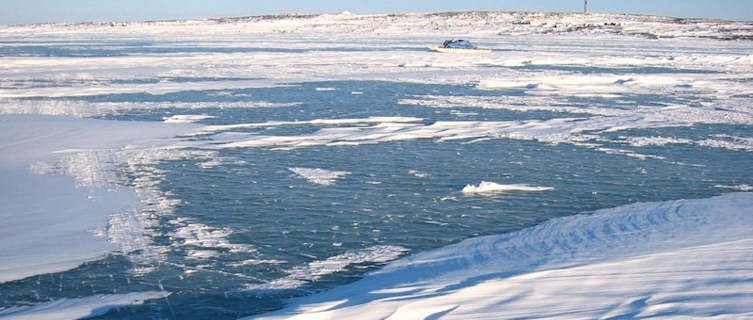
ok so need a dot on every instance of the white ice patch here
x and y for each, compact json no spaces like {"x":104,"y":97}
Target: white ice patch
{"x":187,"y":118}
{"x":76,"y":308}
{"x":614,"y":263}
{"x":316,"y":122}
{"x":486,"y":187}
{"x":728,"y":142}
{"x":739,"y":187}
{"x":80,"y":108}
{"x":254,"y":262}
{"x":319,"y":176}
{"x":588,"y":131}
{"x":92,"y":89}
{"x":205,"y":240}
{"x":418,"y":174}
{"x":300,"y":276}
{"x":653,"y":141}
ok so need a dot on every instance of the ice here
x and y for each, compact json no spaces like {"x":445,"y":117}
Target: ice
{"x":576,"y":131}
{"x":486,"y":187}
{"x":619,"y":262}
{"x":318,"y":122}
{"x":76,"y":308}
{"x":739,"y":187}
{"x":319,"y":175}
{"x":300,"y":276}
{"x":209,"y":240}
{"x":74,"y":211}
{"x":90,"y":109}
{"x":187,"y":118}
{"x":602,"y":120}
{"x":384,"y":40}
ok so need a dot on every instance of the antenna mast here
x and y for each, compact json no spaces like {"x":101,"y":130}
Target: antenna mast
{"x":585,"y":6}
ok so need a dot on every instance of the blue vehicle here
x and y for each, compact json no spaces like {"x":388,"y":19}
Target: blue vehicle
{"x":458,"y":46}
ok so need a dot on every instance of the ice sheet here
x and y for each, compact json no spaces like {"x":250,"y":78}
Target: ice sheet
{"x":60,"y":197}
{"x":619,"y":262}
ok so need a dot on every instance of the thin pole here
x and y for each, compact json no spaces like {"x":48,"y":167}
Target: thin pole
{"x":585,"y":6}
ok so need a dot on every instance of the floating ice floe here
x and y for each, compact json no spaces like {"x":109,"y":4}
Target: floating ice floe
{"x":186,"y":118}
{"x":319,"y":176}
{"x":486,"y":187}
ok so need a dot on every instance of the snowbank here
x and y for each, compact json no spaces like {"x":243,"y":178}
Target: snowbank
{"x":620,"y":262}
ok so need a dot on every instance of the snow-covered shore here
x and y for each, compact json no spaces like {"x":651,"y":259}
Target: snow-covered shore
{"x":60,"y":205}
{"x":675,"y":259}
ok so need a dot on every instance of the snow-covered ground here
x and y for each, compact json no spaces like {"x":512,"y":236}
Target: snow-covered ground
{"x":59,"y":192}
{"x":473,"y":23}
{"x":676,"y":259}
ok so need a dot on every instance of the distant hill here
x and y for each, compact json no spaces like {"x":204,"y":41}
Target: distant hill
{"x":469,"y":23}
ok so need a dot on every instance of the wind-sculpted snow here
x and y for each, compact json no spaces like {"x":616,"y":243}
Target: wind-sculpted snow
{"x":620,"y":262}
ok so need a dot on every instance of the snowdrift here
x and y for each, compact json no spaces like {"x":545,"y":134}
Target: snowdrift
{"x":686,"y":258}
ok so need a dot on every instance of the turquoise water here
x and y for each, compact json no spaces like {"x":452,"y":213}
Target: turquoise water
{"x":270,"y":234}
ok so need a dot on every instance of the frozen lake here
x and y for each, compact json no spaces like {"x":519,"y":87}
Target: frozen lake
{"x":218,"y":168}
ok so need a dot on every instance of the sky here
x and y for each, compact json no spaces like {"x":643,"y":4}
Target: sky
{"x":39,"y":11}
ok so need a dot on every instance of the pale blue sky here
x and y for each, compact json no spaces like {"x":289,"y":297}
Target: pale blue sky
{"x":33,"y":11}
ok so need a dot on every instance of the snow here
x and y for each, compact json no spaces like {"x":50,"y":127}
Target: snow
{"x":620,"y":262}
{"x":60,"y":180}
{"x":65,"y":309}
{"x":476,"y":23}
